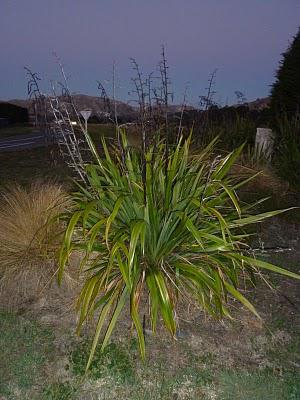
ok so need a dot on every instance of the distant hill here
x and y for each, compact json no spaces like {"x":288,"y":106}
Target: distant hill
{"x":98,"y":106}
{"x":128,"y":113}
{"x":19,"y":102}
{"x":84,"y":102}
{"x":256,"y":105}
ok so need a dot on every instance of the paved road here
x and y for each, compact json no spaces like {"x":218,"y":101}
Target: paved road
{"x":22,"y":142}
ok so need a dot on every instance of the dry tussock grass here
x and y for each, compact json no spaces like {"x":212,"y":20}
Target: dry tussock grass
{"x":30,"y":237}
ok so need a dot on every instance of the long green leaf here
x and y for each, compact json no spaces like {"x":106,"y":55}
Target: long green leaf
{"x":237,"y":295}
{"x":112,"y":216}
{"x":66,"y":247}
{"x":268,"y":266}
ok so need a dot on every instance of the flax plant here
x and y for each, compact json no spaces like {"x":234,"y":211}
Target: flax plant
{"x":164,"y":235}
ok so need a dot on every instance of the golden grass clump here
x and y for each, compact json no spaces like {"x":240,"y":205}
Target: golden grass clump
{"x":30,"y":235}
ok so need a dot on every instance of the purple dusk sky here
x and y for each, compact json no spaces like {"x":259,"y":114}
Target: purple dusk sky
{"x":242,"y":39}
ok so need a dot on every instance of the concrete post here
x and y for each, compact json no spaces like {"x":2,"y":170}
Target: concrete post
{"x":264,"y":142}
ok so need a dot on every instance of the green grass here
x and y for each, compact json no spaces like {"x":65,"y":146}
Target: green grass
{"x":258,"y":386}
{"x":108,"y":131}
{"x":115,"y":361}
{"x":123,"y":375}
{"x":14,"y":130}
{"x":24,"y":347}
{"x":59,"y":391}
{"x":27,"y":166}
{"x":155,"y":379}
{"x":276,"y":192}
{"x":98,"y":130}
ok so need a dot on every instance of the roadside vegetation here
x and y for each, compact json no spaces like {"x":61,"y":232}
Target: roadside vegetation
{"x":14,"y":130}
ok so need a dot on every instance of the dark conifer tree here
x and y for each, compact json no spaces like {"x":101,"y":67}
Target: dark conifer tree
{"x":285,"y":110}
{"x":285,"y":93}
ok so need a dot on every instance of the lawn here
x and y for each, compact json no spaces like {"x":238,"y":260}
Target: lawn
{"x":242,"y":360}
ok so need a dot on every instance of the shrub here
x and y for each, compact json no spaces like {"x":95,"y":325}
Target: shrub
{"x":14,"y":113}
{"x":233,"y":125}
{"x":157,"y":227}
{"x":287,"y":158}
{"x":30,"y":235}
{"x":285,"y":94}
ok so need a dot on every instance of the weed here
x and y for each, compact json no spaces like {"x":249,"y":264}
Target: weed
{"x":114,"y":361}
{"x":59,"y":391}
{"x":207,"y":358}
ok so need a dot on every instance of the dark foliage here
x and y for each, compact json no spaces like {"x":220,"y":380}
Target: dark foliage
{"x":287,"y":157}
{"x":15,"y":114}
{"x":233,"y":125}
{"x":285,"y":108}
{"x":285,"y":94}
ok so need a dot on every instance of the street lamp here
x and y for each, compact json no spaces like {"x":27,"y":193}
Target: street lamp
{"x":86,"y":115}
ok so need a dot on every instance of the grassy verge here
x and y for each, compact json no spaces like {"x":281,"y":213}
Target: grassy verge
{"x":26,"y":166}
{"x":15,"y":130}
{"x":278,"y":194}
